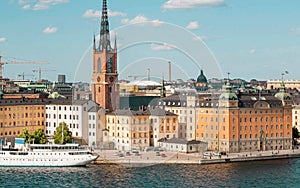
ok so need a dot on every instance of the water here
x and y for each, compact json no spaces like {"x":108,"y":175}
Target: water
{"x":277,"y":173}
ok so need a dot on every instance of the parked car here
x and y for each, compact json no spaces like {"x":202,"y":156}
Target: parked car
{"x":207,"y":154}
{"x":223,"y":153}
{"x":163,"y":155}
{"x":157,"y":153}
{"x":116,"y":153}
{"x":134,"y":150}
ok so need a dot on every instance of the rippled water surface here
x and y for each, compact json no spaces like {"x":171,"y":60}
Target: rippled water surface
{"x":277,"y":173}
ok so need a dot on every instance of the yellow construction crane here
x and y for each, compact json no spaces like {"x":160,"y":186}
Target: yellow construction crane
{"x":40,"y":72}
{"x":14,"y":62}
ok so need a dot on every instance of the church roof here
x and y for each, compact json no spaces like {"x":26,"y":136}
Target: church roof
{"x":202,"y":78}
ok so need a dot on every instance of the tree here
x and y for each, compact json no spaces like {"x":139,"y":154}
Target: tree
{"x":67,"y":135}
{"x":38,"y":136}
{"x":26,"y":135}
{"x":295,"y":135}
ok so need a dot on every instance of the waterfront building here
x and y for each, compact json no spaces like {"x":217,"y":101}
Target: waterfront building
{"x":163,"y":124}
{"x":18,"y":114}
{"x":96,"y":122}
{"x":234,"y":122}
{"x":127,"y":129}
{"x":73,"y":113}
{"x":296,"y":116}
{"x":247,"y":122}
{"x":181,"y":145}
{"x":183,"y":105}
{"x":105,"y":87}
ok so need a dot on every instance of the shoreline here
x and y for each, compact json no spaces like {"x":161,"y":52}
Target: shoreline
{"x":150,"y":158}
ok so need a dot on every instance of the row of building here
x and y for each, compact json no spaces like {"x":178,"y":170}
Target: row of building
{"x":227,"y":121}
{"x":235,"y":119}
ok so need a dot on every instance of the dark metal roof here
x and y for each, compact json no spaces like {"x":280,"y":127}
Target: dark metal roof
{"x":179,"y":141}
{"x":142,"y":112}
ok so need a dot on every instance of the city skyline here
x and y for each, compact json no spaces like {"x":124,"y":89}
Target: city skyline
{"x":249,"y":39}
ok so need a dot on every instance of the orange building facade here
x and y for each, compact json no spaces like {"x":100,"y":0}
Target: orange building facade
{"x":18,"y":114}
{"x":246,"y":122}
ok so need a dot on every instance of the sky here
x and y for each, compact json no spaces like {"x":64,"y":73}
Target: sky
{"x":249,"y":39}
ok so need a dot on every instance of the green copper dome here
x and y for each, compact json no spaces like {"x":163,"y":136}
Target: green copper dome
{"x":283,"y":95}
{"x":228,"y":94}
{"x":201,"y":78}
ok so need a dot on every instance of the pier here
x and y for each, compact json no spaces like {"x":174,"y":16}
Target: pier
{"x":150,"y":157}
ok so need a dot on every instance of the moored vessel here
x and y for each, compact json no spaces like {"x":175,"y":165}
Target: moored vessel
{"x":46,"y":155}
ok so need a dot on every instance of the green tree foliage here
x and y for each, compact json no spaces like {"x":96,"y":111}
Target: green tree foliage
{"x":295,"y":133}
{"x":67,"y":135}
{"x":26,"y":135}
{"x":38,"y":136}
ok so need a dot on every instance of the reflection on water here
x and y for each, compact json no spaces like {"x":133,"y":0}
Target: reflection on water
{"x":277,"y":173}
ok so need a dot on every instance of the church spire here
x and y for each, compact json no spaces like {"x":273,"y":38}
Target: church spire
{"x":104,"y":30}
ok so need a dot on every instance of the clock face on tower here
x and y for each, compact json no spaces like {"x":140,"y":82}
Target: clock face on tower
{"x":98,"y":79}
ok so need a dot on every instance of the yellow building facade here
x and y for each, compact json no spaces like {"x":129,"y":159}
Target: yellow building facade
{"x":129,"y":129}
{"x":247,"y":122}
{"x":18,"y":114}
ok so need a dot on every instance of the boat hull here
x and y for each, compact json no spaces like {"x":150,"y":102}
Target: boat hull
{"x":43,"y":160}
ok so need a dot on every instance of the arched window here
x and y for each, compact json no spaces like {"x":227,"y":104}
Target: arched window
{"x":99,"y":65}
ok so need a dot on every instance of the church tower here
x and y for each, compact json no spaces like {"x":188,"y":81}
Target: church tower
{"x":104,"y":87}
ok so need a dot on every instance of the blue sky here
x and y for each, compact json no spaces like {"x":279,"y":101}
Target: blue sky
{"x":249,"y":39}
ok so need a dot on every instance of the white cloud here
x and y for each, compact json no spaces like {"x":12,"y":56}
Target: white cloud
{"x":40,"y":4}
{"x":50,"y":30}
{"x":2,"y":39}
{"x":26,"y":7}
{"x":193,"y":25}
{"x":252,"y":51}
{"x":113,"y":14}
{"x":162,"y":46}
{"x":22,"y":2}
{"x":140,"y":19}
{"x":92,"y":14}
{"x":188,"y":4}
{"x":97,"y":14}
{"x":295,"y":31}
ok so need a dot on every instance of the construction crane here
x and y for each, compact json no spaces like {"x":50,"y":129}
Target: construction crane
{"x":14,"y":62}
{"x":40,"y":72}
{"x":23,"y":75}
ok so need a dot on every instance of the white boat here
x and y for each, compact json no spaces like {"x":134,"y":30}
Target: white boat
{"x":46,"y":155}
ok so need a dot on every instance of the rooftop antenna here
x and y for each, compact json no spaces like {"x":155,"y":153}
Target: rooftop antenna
{"x":228,"y":75}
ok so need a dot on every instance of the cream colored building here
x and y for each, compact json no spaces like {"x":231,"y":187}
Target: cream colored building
{"x":296,"y":116}
{"x":289,"y":84}
{"x":128,"y":129}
